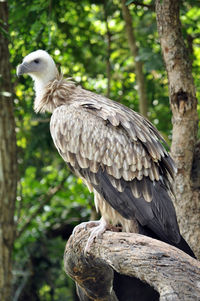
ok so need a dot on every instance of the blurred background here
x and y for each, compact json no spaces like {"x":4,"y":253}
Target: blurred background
{"x":88,"y":42}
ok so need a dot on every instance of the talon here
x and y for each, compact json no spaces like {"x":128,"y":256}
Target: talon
{"x":99,"y":228}
{"x":97,"y":232}
{"x":85,"y":226}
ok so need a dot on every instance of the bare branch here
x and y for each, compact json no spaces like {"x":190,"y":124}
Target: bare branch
{"x":41,"y":120}
{"x":174,"y":274}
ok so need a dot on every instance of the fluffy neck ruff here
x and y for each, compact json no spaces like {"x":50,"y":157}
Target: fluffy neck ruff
{"x":52,"y":94}
{"x":40,"y":84}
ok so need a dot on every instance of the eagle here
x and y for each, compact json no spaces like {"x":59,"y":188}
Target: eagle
{"x":117,"y":153}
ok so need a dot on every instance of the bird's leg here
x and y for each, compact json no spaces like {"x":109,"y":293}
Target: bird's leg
{"x":99,"y":228}
{"x":85,"y":226}
{"x":98,"y":231}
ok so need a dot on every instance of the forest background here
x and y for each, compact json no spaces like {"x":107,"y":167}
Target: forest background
{"x":89,"y":42}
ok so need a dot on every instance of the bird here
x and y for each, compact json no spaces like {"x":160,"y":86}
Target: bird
{"x":117,"y":152}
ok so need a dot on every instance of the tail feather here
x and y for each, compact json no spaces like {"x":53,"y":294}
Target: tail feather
{"x":182,"y":245}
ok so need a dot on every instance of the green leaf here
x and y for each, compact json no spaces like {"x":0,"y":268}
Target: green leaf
{"x":129,"y":2}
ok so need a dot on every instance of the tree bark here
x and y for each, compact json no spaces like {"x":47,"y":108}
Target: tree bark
{"x":174,"y":274}
{"x":185,"y":120}
{"x":143,"y":103}
{"x":8,"y":163}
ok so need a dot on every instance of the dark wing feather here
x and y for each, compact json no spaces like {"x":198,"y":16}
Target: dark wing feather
{"x":118,"y":152}
{"x":158,"y":215}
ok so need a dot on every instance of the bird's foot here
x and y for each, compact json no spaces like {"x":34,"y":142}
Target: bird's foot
{"x":97,"y":232}
{"x":99,"y":228}
{"x":85,"y":226}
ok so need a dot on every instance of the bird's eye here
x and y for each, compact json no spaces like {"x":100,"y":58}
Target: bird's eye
{"x":37,"y":61}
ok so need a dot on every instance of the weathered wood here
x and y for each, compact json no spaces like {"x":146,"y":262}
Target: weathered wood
{"x":174,"y":274}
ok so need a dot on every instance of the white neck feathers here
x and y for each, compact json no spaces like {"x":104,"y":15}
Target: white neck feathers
{"x":40,"y":84}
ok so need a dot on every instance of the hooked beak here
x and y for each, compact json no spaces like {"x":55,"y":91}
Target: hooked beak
{"x":22,"y":68}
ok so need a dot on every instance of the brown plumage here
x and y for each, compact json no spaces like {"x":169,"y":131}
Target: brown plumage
{"x":95,"y":135}
{"x":117,"y":152}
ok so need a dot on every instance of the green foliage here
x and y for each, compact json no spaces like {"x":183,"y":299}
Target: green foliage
{"x":75,"y":34}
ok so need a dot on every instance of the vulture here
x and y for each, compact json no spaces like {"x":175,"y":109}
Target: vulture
{"x":117,"y":153}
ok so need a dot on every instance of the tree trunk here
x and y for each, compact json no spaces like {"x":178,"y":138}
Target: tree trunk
{"x":174,"y":274}
{"x":185,"y":120}
{"x":143,"y":105}
{"x":8,"y":164}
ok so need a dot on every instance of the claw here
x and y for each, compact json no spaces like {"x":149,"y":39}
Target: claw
{"x":99,"y":228}
{"x":97,"y":232}
{"x":85,"y":226}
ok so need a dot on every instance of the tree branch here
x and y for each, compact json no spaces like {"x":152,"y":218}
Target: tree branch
{"x":174,"y":274}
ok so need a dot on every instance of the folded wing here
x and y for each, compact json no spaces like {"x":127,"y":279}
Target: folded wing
{"x":120,"y":155}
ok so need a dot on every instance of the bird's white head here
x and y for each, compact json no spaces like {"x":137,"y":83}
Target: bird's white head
{"x":41,"y":67}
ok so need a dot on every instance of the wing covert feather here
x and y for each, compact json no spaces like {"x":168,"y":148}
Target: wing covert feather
{"x":120,"y":155}
{"x":90,"y":139}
